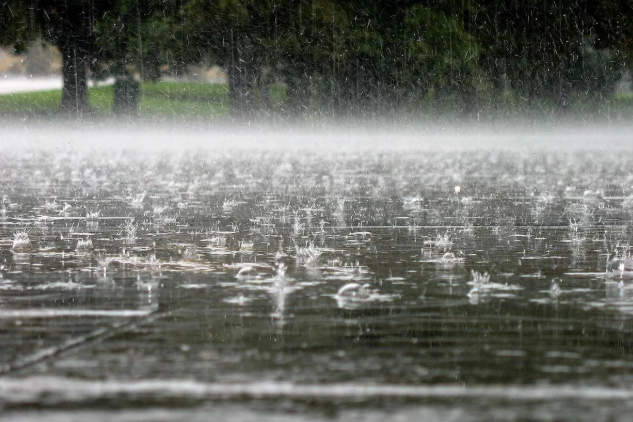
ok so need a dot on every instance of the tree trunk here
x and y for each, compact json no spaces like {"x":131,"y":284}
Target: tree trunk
{"x":75,"y":78}
{"x":343,"y":95}
{"x":241,"y":95}
{"x":298,"y":93}
{"x":240,"y":75}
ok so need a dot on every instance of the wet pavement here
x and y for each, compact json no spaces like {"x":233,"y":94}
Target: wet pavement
{"x":290,"y":286}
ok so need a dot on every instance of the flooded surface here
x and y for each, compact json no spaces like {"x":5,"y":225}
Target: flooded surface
{"x":258,"y":285}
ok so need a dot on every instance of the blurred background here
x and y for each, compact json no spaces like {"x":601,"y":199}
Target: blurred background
{"x":318,"y":59}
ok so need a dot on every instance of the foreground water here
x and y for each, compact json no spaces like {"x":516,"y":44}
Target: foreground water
{"x":256,"y":285}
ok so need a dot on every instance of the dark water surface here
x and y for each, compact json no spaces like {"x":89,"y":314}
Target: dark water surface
{"x":209,"y":284}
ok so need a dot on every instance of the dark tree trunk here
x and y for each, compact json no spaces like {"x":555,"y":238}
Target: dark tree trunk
{"x":343,"y":96}
{"x":241,"y":74}
{"x":240,"y":91}
{"x":242,"y":86}
{"x":298,"y":93}
{"x":75,"y":78}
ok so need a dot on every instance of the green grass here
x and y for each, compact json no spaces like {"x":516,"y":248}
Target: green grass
{"x":623,"y":100}
{"x":188,"y":99}
{"x":184,"y":98}
{"x":100,"y":99}
{"x":186,"y":91}
{"x":42,"y":102}
{"x":203,"y":101}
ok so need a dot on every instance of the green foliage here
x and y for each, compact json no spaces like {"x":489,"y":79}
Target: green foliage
{"x":551,"y":49}
{"x":34,"y":103}
{"x":139,"y":38}
{"x":441,"y":55}
{"x":215,"y":28}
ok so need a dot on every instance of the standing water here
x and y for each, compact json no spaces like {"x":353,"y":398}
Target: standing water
{"x":340,"y":284}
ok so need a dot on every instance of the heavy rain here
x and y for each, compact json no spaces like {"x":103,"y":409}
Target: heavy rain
{"x":316,"y":210}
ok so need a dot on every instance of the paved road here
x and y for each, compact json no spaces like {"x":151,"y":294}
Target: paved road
{"x":16,"y":84}
{"x":13,"y":84}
